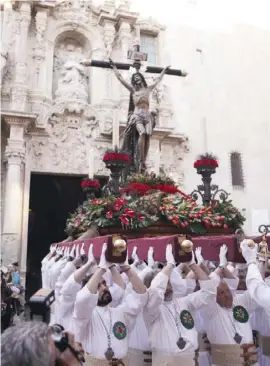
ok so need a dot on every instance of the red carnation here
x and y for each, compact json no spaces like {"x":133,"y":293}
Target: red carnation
{"x":141,"y":217}
{"x":129,"y":212}
{"x":109,"y":214}
{"x":124,"y":220}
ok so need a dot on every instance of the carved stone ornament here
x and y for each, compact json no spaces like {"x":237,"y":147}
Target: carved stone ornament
{"x":150,"y":25}
{"x":9,"y":248}
{"x":109,"y":37}
{"x":18,"y":98}
{"x":173,"y":151}
{"x":72,"y":82}
{"x":77,"y":11}
{"x":65,"y":149}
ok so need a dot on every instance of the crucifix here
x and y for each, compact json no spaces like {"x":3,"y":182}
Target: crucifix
{"x":141,"y":121}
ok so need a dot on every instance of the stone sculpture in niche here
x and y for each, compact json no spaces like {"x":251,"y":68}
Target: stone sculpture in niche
{"x":71,"y":84}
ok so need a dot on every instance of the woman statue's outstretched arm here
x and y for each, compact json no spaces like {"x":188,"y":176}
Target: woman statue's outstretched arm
{"x":120,"y":77}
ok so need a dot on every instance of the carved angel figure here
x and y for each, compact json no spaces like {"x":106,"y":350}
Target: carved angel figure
{"x":72,"y":81}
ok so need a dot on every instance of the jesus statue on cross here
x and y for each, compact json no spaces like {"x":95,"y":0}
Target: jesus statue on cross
{"x":141,"y":121}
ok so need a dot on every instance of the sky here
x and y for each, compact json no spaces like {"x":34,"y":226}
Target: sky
{"x":205,"y":13}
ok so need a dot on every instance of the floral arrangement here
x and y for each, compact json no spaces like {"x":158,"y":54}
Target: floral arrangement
{"x":174,"y":207}
{"x":89,"y":183}
{"x":199,"y":218}
{"x":116,"y":156}
{"x":108,"y":211}
{"x":206,"y":159}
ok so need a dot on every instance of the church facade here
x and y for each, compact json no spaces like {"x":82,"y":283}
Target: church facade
{"x":59,"y":117}
{"x":57,"y":114}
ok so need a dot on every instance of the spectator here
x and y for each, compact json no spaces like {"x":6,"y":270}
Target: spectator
{"x":31,"y":344}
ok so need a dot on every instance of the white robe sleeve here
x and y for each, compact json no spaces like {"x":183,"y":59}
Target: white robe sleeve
{"x":155,"y":297}
{"x":205,"y":297}
{"x":68,"y":295}
{"x":64,"y":275}
{"x":117,"y":295}
{"x":83,"y":310}
{"x":258,"y":289}
{"x":85,"y":304}
{"x":132,"y":307}
{"x":179,"y":285}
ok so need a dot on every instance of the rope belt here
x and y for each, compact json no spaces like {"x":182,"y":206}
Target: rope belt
{"x":93,"y":361}
{"x":204,"y":344}
{"x":234,"y":354}
{"x":264,"y":342}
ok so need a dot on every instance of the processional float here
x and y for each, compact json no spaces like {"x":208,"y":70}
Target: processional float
{"x":145,"y":210}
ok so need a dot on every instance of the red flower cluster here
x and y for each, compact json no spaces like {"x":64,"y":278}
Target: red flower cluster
{"x":201,"y":162}
{"x":87,"y":183}
{"x":117,"y":156}
{"x":170,"y":189}
{"x":118,"y":203}
{"x":140,"y":188}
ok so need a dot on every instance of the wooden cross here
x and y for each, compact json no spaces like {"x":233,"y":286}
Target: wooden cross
{"x":137,"y":57}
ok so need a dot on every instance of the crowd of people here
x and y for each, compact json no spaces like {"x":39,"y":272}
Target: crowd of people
{"x":12,"y":294}
{"x":145,"y":313}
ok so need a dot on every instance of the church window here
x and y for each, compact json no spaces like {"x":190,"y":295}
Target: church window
{"x":237,"y":170}
{"x":149,"y":46}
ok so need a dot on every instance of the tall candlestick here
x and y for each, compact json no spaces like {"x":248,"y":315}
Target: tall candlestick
{"x":91,"y":159}
{"x":115,"y":134}
{"x":158,"y":159}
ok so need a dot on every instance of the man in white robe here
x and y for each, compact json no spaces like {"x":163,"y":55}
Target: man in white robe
{"x":173,"y":336}
{"x":140,"y":353}
{"x":228,"y":326}
{"x":260,"y":292}
{"x":104,"y":330}
{"x":67,"y":271}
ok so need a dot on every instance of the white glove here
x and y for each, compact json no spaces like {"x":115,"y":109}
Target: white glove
{"x":77,"y":251}
{"x":126,"y":261}
{"x":103,"y":263}
{"x":169,"y":255}
{"x":91,"y":258}
{"x":72,"y":252}
{"x":192,"y":260}
{"x":223,"y":256}
{"x":250,"y":254}
{"x":150,"y":258}
{"x":134,"y":256}
{"x":82,"y":251}
{"x":199,"y":257}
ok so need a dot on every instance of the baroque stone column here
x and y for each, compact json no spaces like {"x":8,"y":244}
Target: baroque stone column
{"x":20,"y":88}
{"x":14,"y":177}
{"x":5,"y":36}
{"x":40,"y":49}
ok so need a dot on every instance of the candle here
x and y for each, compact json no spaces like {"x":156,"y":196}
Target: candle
{"x":91,"y":159}
{"x":158,"y":160}
{"x":115,"y":136}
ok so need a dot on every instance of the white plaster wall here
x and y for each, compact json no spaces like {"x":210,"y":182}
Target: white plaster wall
{"x":228,"y":87}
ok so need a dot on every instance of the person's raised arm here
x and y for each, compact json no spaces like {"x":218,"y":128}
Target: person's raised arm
{"x":81,"y":272}
{"x":258,"y":289}
{"x":135,"y":281}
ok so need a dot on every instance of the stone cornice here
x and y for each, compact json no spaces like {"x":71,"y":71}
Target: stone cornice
{"x":126,"y":17}
{"x":16,"y":118}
